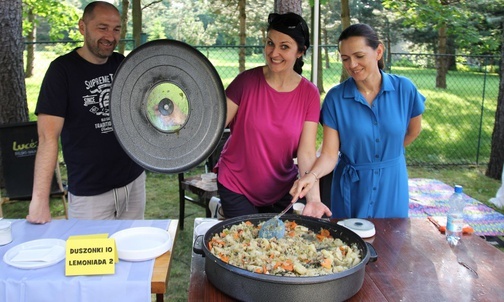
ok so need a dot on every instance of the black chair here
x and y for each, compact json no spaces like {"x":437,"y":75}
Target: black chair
{"x":18,"y":144}
{"x":203,"y":191}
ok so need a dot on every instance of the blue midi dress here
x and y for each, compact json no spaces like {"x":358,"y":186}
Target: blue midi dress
{"x":371,"y":179}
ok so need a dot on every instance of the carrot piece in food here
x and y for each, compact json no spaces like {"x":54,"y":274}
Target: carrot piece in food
{"x":224,"y":258}
{"x":217,"y":241}
{"x":290,"y":225}
{"x":326,"y":263}
{"x":324,"y":233}
{"x":288,"y":265}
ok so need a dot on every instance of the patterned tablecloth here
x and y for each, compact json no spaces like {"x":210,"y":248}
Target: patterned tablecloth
{"x":429,"y":197}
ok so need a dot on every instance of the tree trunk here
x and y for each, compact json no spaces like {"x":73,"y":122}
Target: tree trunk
{"x":137,"y":22}
{"x":30,"y":48}
{"x":326,"y":51}
{"x":13,"y":104}
{"x":242,"y":16}
{"x":320,"y":69}
{"x":124,"y":25}
{"x":495,"y":165}
{"x":388,"y":61}
{"x":345,"y":22}
{"x":288,"y":6}
{"x":12,"y":85}
{"x":441,"y":59}
{"x":451,"y":49}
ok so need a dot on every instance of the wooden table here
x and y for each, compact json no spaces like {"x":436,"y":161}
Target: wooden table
{"x":415,"y":263}
{"x":162,"y":265}
{"x":195,"y":185}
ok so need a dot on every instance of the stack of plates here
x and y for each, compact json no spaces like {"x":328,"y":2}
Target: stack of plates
{"x":142,"y":243}
{"x":36,"y":253}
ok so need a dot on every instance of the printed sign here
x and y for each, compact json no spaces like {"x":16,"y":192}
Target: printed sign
{"x":94,"y":254}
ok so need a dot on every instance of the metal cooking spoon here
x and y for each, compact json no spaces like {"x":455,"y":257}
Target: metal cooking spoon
{"x":274,"y":227}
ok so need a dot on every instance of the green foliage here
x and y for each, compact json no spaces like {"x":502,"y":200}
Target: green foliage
{"x":61,"y":16}
{"x":466,"y":22}
{"x":405,"y":62}
{"x":464,"y":68}
{"x":217,"y":22}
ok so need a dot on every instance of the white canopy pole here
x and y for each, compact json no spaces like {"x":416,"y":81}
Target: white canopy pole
{"x":316,"y":18}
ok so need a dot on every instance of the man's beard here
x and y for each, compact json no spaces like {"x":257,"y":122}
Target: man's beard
{"x":96,"y":50}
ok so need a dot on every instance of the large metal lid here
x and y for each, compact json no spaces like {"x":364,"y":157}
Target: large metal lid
{"x":168,"y":106}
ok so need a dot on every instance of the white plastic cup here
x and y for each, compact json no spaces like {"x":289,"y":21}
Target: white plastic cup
{"x":5,"y":232}
{"x":298,"y":208}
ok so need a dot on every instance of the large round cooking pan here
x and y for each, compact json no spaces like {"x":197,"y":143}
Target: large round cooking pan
{"x":249,"y":286}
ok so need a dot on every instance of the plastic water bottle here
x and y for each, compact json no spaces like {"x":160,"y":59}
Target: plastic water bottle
{"x":455,"y":217}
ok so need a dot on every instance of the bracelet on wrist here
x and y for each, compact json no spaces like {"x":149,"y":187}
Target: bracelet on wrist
{"x":313,"y":173}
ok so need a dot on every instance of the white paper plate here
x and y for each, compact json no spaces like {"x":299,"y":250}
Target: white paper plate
{"x":203,"y":227}
{"x":142,"y":243}
{"x":36,"y":253}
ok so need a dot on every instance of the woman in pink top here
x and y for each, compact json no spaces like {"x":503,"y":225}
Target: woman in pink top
{"x":273,"y":113}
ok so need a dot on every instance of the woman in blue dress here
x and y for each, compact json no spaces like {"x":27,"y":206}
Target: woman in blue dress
{"x":368,"y":121}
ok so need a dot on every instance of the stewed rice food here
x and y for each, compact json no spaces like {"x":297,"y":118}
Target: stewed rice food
{"x":302,"y":252}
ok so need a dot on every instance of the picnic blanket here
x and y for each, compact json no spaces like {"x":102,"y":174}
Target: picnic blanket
{"x":429,"y":197}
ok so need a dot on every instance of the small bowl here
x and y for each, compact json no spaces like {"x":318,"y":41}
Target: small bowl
{"x":298,"y":208}
{"x":5,"y":232}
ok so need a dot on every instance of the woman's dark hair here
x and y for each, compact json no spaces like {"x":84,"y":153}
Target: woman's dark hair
{"x":367,"y":32}
{"x":294,"y":26}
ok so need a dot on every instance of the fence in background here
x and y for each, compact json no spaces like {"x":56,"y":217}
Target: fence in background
{"x":457,"y":123}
